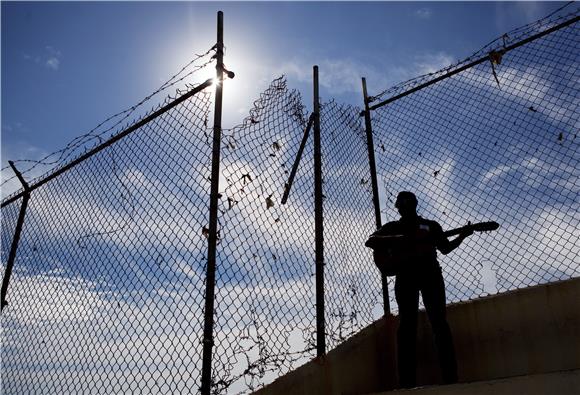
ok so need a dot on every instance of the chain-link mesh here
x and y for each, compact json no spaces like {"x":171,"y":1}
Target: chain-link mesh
{"x":107,"y":291}
{"x":108,"y":286}
{"x":265,"y":301}
{"x":494,"y":142}
{"x":352,"y":286}
{"x":9,"y":218}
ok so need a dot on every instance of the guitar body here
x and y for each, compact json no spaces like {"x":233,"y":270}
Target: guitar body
{"x":391,"y":260}
{"x":386,"y":262}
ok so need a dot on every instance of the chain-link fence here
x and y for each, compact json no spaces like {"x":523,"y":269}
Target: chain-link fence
{"x":265,"y":291}
{"x":106,"y":295}
{"x":352,"y":284}
{"x":265,"y":303}
{"x":494,"y":139}
{"x":107,"y":291}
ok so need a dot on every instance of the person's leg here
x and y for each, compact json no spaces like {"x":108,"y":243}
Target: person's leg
{"x":407,"y":295}
{"x":433,"y":293}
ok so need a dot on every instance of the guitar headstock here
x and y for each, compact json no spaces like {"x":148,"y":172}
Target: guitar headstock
{"x":485,"y":226}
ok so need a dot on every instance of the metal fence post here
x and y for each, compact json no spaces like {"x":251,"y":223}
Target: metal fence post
{"x":375,"y":186}
{"x":213,"y":213}
{"x":15,"y":238}
{"x":318,"y":225}
{"x":290,"y":182}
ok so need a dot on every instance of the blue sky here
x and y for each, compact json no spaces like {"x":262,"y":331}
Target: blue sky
{"x":67,"y":66}
{"x":106,"y":263}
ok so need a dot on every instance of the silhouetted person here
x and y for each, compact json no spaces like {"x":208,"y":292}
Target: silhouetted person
{"x":412,"y":251}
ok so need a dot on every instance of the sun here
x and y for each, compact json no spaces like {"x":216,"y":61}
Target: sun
{"x":215,"y":82}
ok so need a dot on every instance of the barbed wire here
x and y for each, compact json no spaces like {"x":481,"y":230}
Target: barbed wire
{"x":98,"y":136}
{"x":495,"y":46}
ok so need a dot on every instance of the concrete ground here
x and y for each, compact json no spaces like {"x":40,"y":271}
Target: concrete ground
{"x":556,"y":383}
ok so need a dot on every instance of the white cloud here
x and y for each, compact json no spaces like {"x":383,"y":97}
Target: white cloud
{"x":423,"y":13}
{"x":431,"y":62}
{"x":28,"y":57}
{"x":53,"y":51}
{"x":95,"y":332}
{"x":53,"y":63}
{"x":534,"y":244}
{"x":338,"y":76}
{"x":526,"y":11}
{"x":527,"y":85}
{"x":343,"y":75}
{"x":51,"y":58}
{"x":530,"y":9}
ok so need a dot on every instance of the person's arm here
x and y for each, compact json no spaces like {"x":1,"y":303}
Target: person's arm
{"x":445,"y":245}
{"x":374,"y":242}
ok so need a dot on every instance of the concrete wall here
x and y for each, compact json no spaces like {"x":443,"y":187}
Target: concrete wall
{"x":529,"y":331}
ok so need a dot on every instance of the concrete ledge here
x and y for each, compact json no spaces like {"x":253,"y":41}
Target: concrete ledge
{"x":356,"y":361}
{"x":560,"y":383}
{"x":530,"y":331}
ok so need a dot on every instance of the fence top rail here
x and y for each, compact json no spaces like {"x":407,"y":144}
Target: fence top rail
{"x":107,"y":143}
{"x":452,"y":70}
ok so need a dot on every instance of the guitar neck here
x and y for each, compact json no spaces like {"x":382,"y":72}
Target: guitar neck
{"x":456,"y":231}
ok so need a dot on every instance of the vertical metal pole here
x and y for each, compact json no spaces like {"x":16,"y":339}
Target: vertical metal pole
{"x":375,"y":186}
{"x":213,"y":212}
{"x":15,"y":238}
{"x":318,"y":225}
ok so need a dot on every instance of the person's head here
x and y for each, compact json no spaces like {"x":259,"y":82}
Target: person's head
{"x":406,"y":204}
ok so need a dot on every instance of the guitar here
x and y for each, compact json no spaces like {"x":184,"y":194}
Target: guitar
{"x":478,"y":227}
{"x":383,"y":245}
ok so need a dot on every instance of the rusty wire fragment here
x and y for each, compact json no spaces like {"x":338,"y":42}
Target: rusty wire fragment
{"x":495,"y":59}
{"x":246,"y":178}
{"x":269,"y":202}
